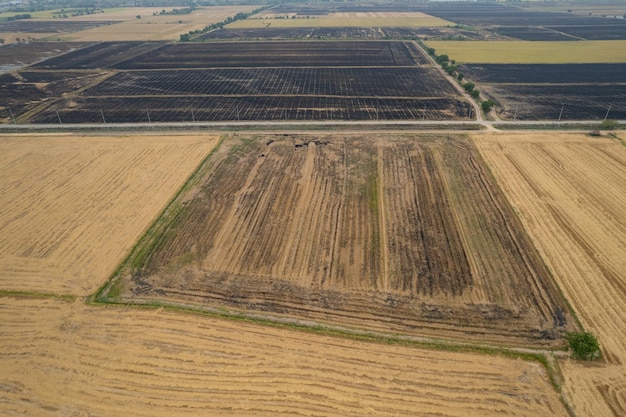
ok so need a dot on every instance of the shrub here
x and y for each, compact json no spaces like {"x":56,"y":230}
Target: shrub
{"x":584,"y":345}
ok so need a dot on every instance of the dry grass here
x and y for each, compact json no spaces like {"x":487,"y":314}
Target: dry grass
{"x":570,"y":192}
{"x":524,"y":52}
{"x":71,"y":207}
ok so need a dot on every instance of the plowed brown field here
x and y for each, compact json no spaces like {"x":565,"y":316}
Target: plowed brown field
{"x":570,"y":191}
{"x":72,"y":207}
{"x":68,"y":359}
{"x":389,"y":233}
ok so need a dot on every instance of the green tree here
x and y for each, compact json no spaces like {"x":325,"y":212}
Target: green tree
{"x":584,"y":345}
{"x":475,"y":93}
{"x":487,"y":105}
{"x":469,"y":87}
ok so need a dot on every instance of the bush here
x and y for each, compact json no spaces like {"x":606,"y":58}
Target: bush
{"x":487,"y":105}
{"x":609,"y":124}
{"x":469,"y":87}
{"x":584,"y":345}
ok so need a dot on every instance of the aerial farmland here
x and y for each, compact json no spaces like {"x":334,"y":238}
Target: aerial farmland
{"x":313,"y":209}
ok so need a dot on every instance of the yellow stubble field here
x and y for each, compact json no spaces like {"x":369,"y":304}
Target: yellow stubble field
{"x":150,"y":27}
{"x":71,"y":207}
{"x":570,"y":192}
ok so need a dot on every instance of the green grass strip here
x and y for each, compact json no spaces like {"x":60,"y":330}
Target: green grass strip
{"x":34,"y":294}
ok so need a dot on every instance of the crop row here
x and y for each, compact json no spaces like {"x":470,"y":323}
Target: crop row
{"x":362,"y":82}
{"x":262,"y":54}
{"x":545,"y":73}
{"x":220,"y":108}
{"x":100,"y":55}
{"x":565,"y":102}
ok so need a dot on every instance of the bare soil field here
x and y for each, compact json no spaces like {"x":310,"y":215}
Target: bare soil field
{"x":65,"y":358}
{"x":71,"y":207}
{"x":384,"y":233}
{"x":570,"y":194}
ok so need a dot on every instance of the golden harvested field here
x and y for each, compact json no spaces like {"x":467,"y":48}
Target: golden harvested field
{"x":68,"y":359}
{"x":570,"y":192}
{"x":356,"y":19}
{"x":71,"y":207}
{"x":384,"y":232}
{"x":536,"y":52}
{"x":149,"y":27}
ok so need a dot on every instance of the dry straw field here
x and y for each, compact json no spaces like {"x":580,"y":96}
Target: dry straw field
{"x":71,"y":207}
{"x":570,"y":192}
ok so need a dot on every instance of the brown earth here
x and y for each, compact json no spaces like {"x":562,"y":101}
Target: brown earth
{"x":71,"y":207}
{"x":570,"y":192}
{"x":388,"y":233}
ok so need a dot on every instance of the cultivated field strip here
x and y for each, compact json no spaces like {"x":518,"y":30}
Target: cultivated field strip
{"x":99,"y":55}
{"x":147,"y":109}
{"x":273,"y":54}
{"x":342,"y":81}
{"x":70,"y":359}
{"x":395,"y":233}
{"x":72,"y":207}
{"x":570,"y":193}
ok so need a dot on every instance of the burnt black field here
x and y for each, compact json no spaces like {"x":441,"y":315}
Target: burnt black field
{"x":553,"y":91}
{"x":156,"y":82}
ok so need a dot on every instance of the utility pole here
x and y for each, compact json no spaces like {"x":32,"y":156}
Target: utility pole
{"x":59,"y":117}
{"x":607,"y":112}
{"x":148,"y":113}
{"x":12,"y":117}
{"x":103,"y":119}
{"x":561,"y":114}
{"x":193,"y":118}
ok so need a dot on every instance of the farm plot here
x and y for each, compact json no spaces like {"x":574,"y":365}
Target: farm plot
{"x":553,"y":102}
{"x":293,"y":33}
{"x":553,"y":91}
{"x":374,"y":32}
{"x":61,"y":358}
{"x":47,"y":27}
{"x":546,"y":73}
{"x":251,"y":107}
{"x":100,"y":55}
{"x":570,"y":193}
{"x":71,"y":207}
{"x":394,"y":234}
{"x":523,"y":52}
{"x":25,"y":92}
{"x":532,"y":33}
{"x":493,"y":14}
{"x":292,"y":54}
{"x":21,"y":54}
{"x":357,"y":81}
{"x":232,"y":81}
